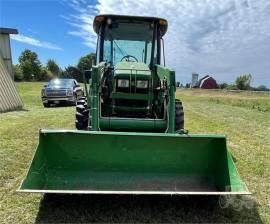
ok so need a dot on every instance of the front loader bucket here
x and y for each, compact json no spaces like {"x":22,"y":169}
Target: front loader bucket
{"x":132,"y":163}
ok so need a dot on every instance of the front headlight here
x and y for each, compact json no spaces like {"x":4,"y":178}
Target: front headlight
{"x":69,"y":92}
{"x":142,"y":84}
{"x":123,"y":83}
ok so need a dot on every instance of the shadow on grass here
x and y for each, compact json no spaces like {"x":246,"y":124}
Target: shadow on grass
{"x":140,"y":209}
{"x":16,"y":110}
{"x":23,"y":110}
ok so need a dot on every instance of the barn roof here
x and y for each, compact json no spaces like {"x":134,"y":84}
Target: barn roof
{"x":202,"y":80}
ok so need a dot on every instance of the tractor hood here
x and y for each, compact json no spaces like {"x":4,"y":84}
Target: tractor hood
{"x":138,"y":69}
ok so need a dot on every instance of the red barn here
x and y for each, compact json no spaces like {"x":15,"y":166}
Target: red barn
{"x":208,"y":82}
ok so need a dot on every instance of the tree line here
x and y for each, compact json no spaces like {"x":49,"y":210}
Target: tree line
{"x":242,"y":82}
{"x":30,"y":68}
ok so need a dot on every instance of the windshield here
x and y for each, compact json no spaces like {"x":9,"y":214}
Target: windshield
{"x":61,"y":83}
{"x":125,"y":41}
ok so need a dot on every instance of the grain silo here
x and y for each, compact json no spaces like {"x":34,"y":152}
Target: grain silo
{"x":194,"y":80}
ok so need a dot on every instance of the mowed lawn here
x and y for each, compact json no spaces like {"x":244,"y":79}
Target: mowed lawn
{"x":243,"y":116}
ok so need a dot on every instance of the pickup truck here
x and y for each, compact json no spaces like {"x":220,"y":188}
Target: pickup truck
{"x":61,"y":91}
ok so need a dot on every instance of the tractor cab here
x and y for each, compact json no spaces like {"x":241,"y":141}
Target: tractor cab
{"x":130,"y":47}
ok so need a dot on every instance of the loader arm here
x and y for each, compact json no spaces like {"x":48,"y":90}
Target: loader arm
{"x":94,"y":93}
{"x":167,"y":80}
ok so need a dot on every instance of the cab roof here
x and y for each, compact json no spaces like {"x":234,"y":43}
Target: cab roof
{"x":101,"y":18}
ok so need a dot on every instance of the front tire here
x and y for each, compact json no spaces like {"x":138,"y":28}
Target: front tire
{"x":179,"y":115}
{"x":46,"y":105}
{"x":82,"y":114}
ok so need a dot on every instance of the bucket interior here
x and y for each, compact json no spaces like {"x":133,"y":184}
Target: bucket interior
{"x":80,"y":161}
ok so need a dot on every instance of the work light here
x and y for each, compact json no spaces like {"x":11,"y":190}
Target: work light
{"x":142,"y":84}
{"x":123,"y":83}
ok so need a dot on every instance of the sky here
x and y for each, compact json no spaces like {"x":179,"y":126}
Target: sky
{"x":222,"y":38}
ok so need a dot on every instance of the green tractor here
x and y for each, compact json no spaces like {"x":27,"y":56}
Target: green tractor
{"x":129,"y":89}
{"x":131,"y":137}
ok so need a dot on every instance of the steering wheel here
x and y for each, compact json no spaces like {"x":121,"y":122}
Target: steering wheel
{"x":127,"y":58}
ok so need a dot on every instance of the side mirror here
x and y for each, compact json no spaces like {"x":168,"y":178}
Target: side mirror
{"x":77,"y":85}
{"x":45,"y":86}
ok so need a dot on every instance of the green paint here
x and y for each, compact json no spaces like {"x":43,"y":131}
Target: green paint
{"x":124,"y":69}
{"x":119,"y":161}
{"x":138,"y":96}
{"x":132,"y":124}
{"x":94,"y":95}
{"x":169,"y":77}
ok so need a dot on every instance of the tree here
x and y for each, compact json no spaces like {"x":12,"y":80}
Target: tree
{"x":231,"y":87}
{"x":18,"y":76}
{"x":177,"y":84}
{"x":53,"y":67}
{"x":223,"y":85}
{"x":72,"y":72}
{"x":86,"y":62}
{"x":46,"y":75}
{"x":262,"y":88}
{"x":30,"y":65}
{"x":243,"y":82}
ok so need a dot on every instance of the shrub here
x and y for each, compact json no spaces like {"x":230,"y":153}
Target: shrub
{"x":223,"y":85}
{"x":243,"y":82}
{"x":46,"y":75}
{"x":231,"y":87}
{"x":18,"y":75}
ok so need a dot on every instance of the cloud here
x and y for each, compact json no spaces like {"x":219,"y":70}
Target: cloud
{"x":34,"y":42}
{"x":223,"y":38}
{"x":82,"y":21}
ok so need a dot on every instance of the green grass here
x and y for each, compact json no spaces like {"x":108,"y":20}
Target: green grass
{"x":243,"y":116}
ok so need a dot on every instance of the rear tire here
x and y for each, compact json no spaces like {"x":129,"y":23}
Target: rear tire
{"x":179,"y":115}
{"x":82,"y":114}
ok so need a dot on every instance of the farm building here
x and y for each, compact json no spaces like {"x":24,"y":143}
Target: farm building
{"x":206,"y":82}
{"x":194,"y":80}
{"x":9,"y":97}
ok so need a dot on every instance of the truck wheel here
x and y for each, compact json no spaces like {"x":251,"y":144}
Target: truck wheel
{"x":82,"y":114}
{"x":179,"y":115}
{"x":46,"y":104}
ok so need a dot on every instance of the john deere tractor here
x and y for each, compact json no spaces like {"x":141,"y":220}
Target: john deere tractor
{"x":131,"y":137}
{"x":130,"y":90}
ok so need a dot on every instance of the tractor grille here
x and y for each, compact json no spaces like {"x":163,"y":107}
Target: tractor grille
{"x":56,"y":93}
{"x":137,"y":108}
{"x":132,"y":90}
{"x":132,"y":103}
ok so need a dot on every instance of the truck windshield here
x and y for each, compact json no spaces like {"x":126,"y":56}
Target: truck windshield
{"x":61,"y":83}
{"x":126,"y":41}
